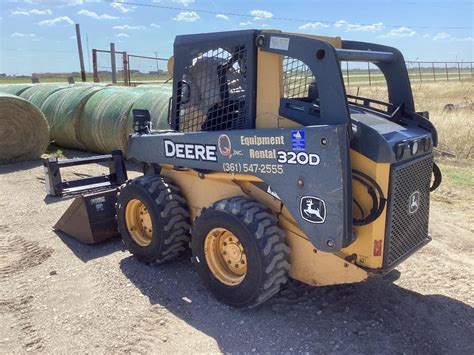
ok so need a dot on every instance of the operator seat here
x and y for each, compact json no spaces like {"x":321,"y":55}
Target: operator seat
{"x":216,"y":96}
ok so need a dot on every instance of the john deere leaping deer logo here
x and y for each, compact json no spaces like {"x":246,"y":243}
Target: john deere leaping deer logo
{"x":414,"y":202}
{"x":312,"y":209}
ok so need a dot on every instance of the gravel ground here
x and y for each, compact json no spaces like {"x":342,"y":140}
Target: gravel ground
{"x":59,"y":296}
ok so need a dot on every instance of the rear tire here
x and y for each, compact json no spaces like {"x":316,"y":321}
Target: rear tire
{"x":153,"y":219}
{"x":247,"y":235}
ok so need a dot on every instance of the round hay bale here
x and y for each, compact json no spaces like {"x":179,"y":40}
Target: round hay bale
{"x":14,"y":89}
{"x":38,"y":94}
{"x":63,"y":110}
{"x":146,"y":87}
{"x":103,"y":121}
{"x":24,"y":131}
{"x":156,"y":101}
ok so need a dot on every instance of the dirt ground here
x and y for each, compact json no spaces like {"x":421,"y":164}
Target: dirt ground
{"x":60,"y":296}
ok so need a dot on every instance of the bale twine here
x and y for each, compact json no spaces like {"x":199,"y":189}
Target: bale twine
{"x":38,"y":94}
{"x":156,"y":101}
{"x":63,"y":110}
{"x":24,"y":131}
{"x":103,"y":122}
{"x":14,"y":89}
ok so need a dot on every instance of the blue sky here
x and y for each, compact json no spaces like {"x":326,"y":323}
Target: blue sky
{"x":38,"y":35}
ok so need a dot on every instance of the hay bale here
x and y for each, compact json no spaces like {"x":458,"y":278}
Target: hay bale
{"x":103,"y":122}
{"x":146,"y":87}
{"x":24,"y":131}
{"x":156,"y":101}
{"x":63,"y":111}
{"x":14,"y":89}
{"x":37,"y":94}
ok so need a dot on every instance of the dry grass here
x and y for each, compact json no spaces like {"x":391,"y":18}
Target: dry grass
{"x":456,"y":128}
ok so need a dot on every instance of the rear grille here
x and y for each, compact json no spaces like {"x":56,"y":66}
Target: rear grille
{"x":408,"y":209}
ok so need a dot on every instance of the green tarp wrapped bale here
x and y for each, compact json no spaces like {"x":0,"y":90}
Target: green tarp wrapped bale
{"x":14,"y":89}
{"x":38,"y":93}
{"x":63,"y":111}
{"x":156,"y":101}
{"x":146,"y":87}
{"x":103,"y":123}
{"x":24,"y":131}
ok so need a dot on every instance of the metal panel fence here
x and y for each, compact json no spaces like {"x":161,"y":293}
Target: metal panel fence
{"x":110,"y":67}
{"x":143,"y":69}
{"x":133,"y":70}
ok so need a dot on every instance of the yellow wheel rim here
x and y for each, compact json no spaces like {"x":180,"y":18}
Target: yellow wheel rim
{"x":225,"y":256}
{"x":139,"y":223}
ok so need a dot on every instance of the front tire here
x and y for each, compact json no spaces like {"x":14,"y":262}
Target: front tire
{"x":240,"y":252}
{"x":153,"y":219}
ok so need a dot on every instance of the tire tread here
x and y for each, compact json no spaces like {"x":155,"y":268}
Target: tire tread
{"x":172,"y":211}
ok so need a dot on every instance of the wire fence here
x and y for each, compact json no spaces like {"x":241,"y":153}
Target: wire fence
{"x":147,"y":69}
{"x":131,"y":69}
{"x":110,"y":66}
{"x":369,"y":74}
{"x":143,"y":69}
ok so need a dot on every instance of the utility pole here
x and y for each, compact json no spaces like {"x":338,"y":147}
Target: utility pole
{"x":81,"y":56}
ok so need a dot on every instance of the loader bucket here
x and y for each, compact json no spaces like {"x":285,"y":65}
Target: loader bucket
{"x":90,"y":218}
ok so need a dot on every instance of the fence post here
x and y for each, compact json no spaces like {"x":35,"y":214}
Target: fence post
{"x":125,"y":68}
{"x":459,"y":72}
{"x":113,"y":64}
{"x":447,"y":75}
{"x":419,"y":72}
{"x":347,"y":74}
{"x":128,"y":71}
{"x":370,"y":80}
{"x":94,"y":66}
{"x":434,"y":73}
{"x":81,"y":56}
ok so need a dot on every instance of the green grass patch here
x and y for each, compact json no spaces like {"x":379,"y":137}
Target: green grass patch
{"x":458,"y":175}
{"x":55,"y":151}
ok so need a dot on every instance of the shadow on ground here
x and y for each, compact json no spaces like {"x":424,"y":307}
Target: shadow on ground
{"x":20,"y":166}
{"x":368,"y":317}
{"x":88,"y":252}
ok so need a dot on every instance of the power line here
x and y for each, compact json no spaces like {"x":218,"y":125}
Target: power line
{"x":234,"y":14}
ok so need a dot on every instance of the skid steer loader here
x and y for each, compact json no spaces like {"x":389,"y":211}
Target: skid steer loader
{"x":272,"y":171}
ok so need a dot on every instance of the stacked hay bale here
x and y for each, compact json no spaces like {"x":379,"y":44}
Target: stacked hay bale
{"x":24,"y":131}
{"x":104,"y":119}
{"x":155,"y":99}
{"x":93,"y":118}
{"x":14,"y":89}
{"x":63,"y":111}
{"x":38,"y":94}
